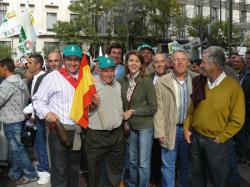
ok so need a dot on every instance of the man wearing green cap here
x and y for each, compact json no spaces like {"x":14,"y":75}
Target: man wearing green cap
{"x":147,"y":53}
{"x":52,"y":102}
{"x":105,"y":139}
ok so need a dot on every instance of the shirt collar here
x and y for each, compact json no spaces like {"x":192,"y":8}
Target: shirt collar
{"x":217,"y":81}
{"x":37,"y":75}
{"x":134,"y":77}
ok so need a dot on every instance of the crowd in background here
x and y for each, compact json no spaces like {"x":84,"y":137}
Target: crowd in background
{"x":155,"y":120}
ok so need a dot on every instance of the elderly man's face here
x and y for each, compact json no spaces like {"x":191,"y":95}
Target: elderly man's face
{"x":160,"y":64}
{"x":237,"y":63}
{"x":179,"y":63}
{"x":206,"y":67}
{"x":107,"y":75}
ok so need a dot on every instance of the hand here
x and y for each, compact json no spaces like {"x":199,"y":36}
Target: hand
{"x":216,"y":140}
{"x":96,"y":99}
{"x":162,"y":139}
{"x":51,"y":117}
{"x":127,"y":114}
{"x":187,"y":135}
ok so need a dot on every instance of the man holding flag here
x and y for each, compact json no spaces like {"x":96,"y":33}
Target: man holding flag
{"x":105,"y":139}
{"x":56,"y":100}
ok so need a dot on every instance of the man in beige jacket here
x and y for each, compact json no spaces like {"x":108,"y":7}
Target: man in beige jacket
{"x":173,"y":98}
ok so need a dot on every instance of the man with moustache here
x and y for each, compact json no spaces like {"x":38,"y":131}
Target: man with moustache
{"x":212,"y":120}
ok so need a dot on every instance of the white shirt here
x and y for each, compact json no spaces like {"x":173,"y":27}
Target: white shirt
{"x":55,"y":94}
{"x":217,"y":81}
{"x":155,"y":78}
{"x":34,"y":80}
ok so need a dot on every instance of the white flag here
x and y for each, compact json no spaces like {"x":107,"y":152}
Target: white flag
{"x":25,"y":44}
{"x":9,"y":26}
{"x":27,"y":36}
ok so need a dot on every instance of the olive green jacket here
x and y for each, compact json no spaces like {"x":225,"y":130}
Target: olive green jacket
{"x":143,"y":101}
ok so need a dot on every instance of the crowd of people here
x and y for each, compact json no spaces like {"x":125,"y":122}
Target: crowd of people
{"x":156,"y":119}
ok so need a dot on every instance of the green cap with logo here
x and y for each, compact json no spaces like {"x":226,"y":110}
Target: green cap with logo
{"x":105,"y":62}
{"x":145,"y":46}
{"x":72,"y":50}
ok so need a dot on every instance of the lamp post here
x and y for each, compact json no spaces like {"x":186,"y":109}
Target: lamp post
{"x":220,"y":36}
{"x":230,"y":26}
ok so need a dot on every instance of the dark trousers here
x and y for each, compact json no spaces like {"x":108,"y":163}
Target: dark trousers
{"x":206,"y":155}
{"x":65,"y":163}
{"x":105,"y":146}
{"x":241,"y":141}
{"x":156,"y":162}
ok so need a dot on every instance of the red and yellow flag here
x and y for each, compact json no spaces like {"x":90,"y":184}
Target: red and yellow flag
{"x":83,"y":94}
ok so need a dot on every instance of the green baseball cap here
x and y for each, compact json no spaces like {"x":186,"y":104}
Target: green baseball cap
{"x":145,"y":46}
{"x":72,"y":50}
{"x":105,"y":62}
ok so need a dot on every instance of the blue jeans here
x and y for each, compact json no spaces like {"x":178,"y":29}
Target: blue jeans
{"x":40,"y":146}
{"x":169,"y":158}
{"x":21,"y":166}
{"x":140,"y":146}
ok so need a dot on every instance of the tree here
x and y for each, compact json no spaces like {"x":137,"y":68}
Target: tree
{"x":198,"y":27}
{"x":139,"y":20}
{"x":85,"y":23}
{"x":5,"y":51}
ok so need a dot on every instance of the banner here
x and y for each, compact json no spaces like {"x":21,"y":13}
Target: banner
{"x":27,"y":36}
{"x":188,"y":47}
{"x":173,"y":46}
{"x":9,"y":26}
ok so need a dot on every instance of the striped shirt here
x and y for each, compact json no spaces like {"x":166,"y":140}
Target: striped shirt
{"x":182,"y":95}
{"x":55,"y":94}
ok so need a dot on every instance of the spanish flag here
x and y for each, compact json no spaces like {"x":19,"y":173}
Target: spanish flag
{"x":85,"y":89}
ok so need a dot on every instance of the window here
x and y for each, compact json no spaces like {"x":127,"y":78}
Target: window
{"x":51,"y":20}
{"x":6,"y":44}
{"x":183,"y":10}
{"x":118,"y":21}
{"x":73,"y":16}
{"x":243,"y":16}
{"x":5,"y":49}
{"x":197,"y":10}
{"x":72,"y":1}
{"x":2,"y":14}
{"x":50,"y":46}
{"x":214,"y":13}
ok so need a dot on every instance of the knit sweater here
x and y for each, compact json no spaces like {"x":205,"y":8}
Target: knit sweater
{"x":221,"y":114}
{"x":13,"y":98}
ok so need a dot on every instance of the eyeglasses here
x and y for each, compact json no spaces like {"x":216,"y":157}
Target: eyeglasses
{"x":178,"y":60}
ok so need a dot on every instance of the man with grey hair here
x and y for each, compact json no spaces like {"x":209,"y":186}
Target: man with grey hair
{"x":160,"y":64}
{"x":173,"y":98}
{"x":214,"y":119}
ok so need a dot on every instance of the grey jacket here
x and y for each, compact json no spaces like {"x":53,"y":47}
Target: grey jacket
{"x":13,"y":98}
